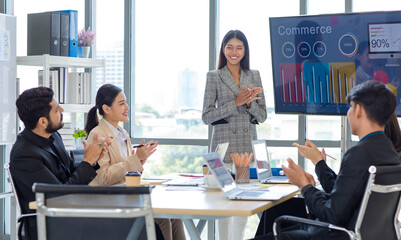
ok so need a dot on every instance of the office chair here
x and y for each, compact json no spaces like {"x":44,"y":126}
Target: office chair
{"x":13,"y":189}
{"x":85,"y":212}
{"x":378,"y":214}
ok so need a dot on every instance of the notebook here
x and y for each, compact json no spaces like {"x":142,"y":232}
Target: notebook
{"x":221,"y":150}
{"x":263,"y":168}
{"x":230,"y":188}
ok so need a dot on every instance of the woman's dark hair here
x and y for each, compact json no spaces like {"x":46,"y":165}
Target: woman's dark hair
{"x":393,"y":132}
{"x":105,"y":95}
{"x":33,"y":104}
{"x":240,"y":36}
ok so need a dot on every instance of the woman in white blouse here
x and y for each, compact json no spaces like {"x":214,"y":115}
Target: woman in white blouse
{"x":120,"y":156}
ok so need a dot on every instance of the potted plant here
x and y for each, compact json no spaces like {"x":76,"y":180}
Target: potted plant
{"x":85,"y":41}
{"x":79,"y":135}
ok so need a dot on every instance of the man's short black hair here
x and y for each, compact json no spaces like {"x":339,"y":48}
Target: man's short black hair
{"x":376,"y":98}
{"x":33,"y":104}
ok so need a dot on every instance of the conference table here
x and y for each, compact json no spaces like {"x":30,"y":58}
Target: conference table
{"x":207,"y":206}
{"x":190,"y":204}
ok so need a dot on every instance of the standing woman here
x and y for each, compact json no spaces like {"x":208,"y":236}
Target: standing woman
{"x":234,"y":101}
{"x":120,"y":156}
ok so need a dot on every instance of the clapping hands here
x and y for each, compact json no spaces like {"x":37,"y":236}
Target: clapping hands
{"x":247,"y":95}
{"x":297,"y":175}
{"x":95,"y":151}
{"x":310,"y":151}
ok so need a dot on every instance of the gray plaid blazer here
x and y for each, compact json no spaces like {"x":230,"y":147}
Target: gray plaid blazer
{"x":232,"y":124}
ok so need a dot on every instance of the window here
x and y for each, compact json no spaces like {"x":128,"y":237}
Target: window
{"x":175,"y":158}
{"x":371,"y":5}
{"x":171,"y":62}
{"x":325,"y":6}
{"x":278,"y":155}
{"x":110,"y":43}
{"x":323,"y":127}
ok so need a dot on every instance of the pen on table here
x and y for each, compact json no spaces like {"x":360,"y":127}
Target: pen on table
{"x":188,"y":175}
{"x":141,"y":145}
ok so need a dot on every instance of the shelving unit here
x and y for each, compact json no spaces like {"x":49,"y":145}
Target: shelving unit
{"x":48,"y":61}
{"x":58,"y":61}
{"x":77,"y":107}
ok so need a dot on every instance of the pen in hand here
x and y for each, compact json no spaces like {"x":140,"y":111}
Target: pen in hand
{"x":327,"y":155}
{"x":330,"y":156}
{"x":141,"y":145}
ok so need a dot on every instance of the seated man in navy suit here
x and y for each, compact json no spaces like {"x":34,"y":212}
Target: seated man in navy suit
{"x":371,"y":106}
{"x":38,"y":154}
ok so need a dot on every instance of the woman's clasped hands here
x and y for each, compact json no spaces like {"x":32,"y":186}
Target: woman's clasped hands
{"x":247,"y":95}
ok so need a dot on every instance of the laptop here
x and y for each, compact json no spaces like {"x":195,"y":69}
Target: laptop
{"x":221,"y":150}
{"x":230,"y":188}
{"x":263,"y":168}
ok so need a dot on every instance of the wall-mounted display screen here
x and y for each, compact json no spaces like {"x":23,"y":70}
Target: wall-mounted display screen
{"x":318,"y":59}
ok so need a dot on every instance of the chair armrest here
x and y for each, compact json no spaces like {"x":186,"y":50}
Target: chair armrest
{"x":279,"y":220}
{"x":306,"y":221}
{"x":22,"y":216}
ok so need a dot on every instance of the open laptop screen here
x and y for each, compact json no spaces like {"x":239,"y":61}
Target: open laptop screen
{"x":221,"y":149}
{"x":262,"y":159}
{"x":221,"y":173}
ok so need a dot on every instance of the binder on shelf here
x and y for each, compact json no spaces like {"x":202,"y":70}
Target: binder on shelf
{"x":85,"y":98}
{"x":59,"y":84}
{"x":77,"y":88}
{"x":64,"y":34}
{"x":73,"y":27}
{"x":43,"y":33}
{"x":52,"y":83}
{"x":62,"y":79}
{"x":73,"y":89}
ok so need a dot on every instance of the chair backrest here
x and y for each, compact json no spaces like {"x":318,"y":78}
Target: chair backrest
{"x":93,"y":212}
{"x":13,"y":189}
{"x":378,"y":215}
{"x":22,"y":216}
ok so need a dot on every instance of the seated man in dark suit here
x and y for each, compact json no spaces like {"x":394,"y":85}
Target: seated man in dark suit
{"x":38,"y":154}
{"x":371,"y":106}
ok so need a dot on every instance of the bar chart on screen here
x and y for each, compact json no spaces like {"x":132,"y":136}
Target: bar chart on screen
{"x":316,"y":82}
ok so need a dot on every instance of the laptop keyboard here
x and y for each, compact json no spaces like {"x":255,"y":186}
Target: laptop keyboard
{"x":249,"y":194}
{"x":277,"y":179}
{"x":185,"y":182}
